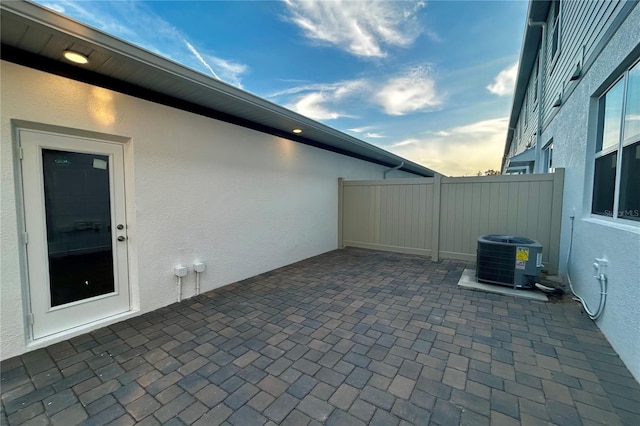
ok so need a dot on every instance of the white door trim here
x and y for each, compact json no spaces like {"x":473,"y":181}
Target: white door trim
{"x":48,"y":321}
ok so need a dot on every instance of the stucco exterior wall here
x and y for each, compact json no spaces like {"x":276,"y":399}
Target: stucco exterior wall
{"x":199,"y":189}
{"x":573,"y":134}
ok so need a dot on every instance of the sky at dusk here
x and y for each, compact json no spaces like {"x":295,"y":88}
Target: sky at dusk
{"x":431,"y":81}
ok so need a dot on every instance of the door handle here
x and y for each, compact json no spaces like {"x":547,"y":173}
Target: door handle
{"x":121,"y":238}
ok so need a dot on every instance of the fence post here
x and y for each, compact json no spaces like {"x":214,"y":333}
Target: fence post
{"x":340,"y":211}
{"x":556,"y":220}
{"x":435,"y":230}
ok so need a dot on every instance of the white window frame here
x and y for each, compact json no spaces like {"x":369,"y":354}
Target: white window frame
{"x":618,"y":148}
{"x":547,"y":157}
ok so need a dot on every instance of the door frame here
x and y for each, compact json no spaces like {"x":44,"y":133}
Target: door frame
{"x":131,"y":249}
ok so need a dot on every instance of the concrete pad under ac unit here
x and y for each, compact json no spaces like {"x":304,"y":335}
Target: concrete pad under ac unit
{"x":468,"y":281}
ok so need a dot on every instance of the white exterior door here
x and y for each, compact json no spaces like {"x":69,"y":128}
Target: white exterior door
{"x":76,"y":233}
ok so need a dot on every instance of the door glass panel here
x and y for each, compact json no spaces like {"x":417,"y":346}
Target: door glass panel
{"x":78,"y":214}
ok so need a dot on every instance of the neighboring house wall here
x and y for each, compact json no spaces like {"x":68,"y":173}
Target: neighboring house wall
{"x":573,"y":132}
{"x":585,"y":27}
{"x":582,"y":26}
{"x":526,"y":127}
{"x":240,"y":201}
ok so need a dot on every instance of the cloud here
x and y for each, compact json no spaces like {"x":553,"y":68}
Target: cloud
{"x":311,"y":105}
{"x":341,"y":88}
{"x":131,"y":21}
{"x":504,"y":82}
{"x":373,"y":135}
{"x":367,"y":132}
{"x":322,"y":101}
{"x":361,"y":129}
{"x":458,"y":151}
{"x":362,"y":28}
{"x":411,"y":92}
{"x":201,"y":59}
{"x":229,"y":71}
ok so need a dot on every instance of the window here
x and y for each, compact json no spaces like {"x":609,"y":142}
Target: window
{"x":547,"y":158}
{"x":526,"y":110}
{"x":617,"y":160}
{"x":555,"y":35}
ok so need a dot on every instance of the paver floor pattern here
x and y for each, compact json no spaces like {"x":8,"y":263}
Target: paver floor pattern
{"x":350,"y":337}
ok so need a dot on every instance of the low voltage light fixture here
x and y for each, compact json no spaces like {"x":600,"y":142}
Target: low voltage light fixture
{"x":75,"y":57}
{"x":297,"y":131}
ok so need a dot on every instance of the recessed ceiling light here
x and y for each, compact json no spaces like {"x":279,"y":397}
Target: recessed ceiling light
{"x":297,"y":131}
{"x":75,"y":57}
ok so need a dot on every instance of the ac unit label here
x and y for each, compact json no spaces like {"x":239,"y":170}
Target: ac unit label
{"x":522,"y":253}
{"x":520,"y":264}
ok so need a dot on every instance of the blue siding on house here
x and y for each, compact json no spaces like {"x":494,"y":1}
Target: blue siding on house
{"x":583,"y":24}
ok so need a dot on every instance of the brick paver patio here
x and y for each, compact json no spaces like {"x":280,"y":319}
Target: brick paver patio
{"x":351,"y":337}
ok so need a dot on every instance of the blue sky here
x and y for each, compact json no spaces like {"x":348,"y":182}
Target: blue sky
{"x":431,"y":81}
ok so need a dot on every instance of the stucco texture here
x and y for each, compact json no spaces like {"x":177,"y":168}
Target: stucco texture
{"x":618,"y":242}
{"x":198,"y":189}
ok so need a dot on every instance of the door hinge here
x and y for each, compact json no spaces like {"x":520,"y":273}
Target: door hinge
{"x":20,"y":153}
{"x":25,"y":237}
{"x":30,"y":319}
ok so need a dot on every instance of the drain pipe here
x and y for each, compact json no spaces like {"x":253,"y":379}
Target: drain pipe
{"x":602,"y":278}
{"x":198,"y":267}
{"x":541,"y":73}
{"x":392,"y":169}
{"x":180,"y":271}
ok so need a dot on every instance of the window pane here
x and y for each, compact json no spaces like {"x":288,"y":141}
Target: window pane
{"x":604,"y":184}
{"x":632,"y":113}
{"x":610,"y":116}
{"x":629,"y":204}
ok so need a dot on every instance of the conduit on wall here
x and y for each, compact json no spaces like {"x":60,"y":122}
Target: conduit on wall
{"x":602,"y":278}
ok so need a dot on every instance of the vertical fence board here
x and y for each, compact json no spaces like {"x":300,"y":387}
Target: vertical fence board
{"x":436,"y":209}
{"x":476,"y":217}
{"x":414,"y":234}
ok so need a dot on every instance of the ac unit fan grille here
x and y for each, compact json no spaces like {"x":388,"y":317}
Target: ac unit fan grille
{"x":495,"y":263}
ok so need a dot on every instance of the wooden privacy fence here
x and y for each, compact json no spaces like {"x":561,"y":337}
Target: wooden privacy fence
{"x":443,"y":217}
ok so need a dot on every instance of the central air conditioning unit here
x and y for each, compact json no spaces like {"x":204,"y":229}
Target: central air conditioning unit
{"x":508,"y":260}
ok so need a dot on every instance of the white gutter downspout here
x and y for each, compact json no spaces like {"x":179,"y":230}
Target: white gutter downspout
{"x":541,"y":72}
{"x":392,"y":169}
